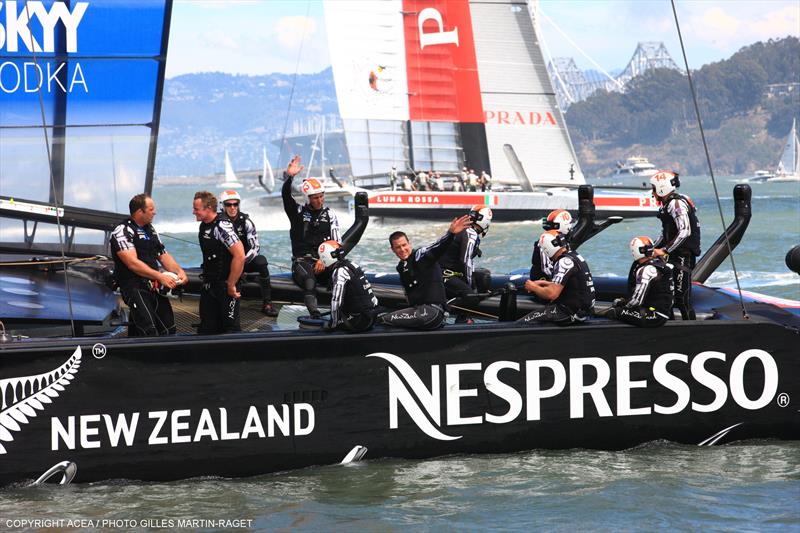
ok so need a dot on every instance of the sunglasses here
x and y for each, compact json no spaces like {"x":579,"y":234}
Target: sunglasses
{"x":236,"y":204}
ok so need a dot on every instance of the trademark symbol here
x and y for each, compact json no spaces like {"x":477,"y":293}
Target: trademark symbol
{"x":99,"y":351}
{"x":783,"y":399}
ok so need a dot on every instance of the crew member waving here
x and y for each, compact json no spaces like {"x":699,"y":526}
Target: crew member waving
{"x":310,"y":225}
{"x":352,"y":301}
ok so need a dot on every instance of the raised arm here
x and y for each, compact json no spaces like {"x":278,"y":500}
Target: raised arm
{"x":434,"y":251}
{"x":290,"y":206}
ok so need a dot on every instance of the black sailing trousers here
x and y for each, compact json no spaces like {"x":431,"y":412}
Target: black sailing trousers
{"x":151,"y":313}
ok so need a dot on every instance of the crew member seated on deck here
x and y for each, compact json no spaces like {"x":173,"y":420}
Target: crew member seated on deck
{"x":460,"y":276}
{"x":353,"y":304}
{"x":650,"y":289}
{"x":223,"y":263}
{"x":310,"y":225}
{"x":421,"y":276}
{"x":137,"y":250}
{"x":253,"y":261}
{"x":679,"y":242}
{"x":570,"y":293}
{"x":541,"y":265}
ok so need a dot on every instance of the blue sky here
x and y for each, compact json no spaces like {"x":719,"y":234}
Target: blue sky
{"x":264,"y":36}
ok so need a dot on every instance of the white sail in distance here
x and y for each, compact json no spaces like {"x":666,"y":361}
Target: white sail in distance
{"x":790,"y":158}
{"x":231,"y":181}
{"x":266,"y":172}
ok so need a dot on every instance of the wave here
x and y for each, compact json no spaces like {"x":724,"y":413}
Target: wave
{"x":751,"y":279}
{"x":765,"y":197}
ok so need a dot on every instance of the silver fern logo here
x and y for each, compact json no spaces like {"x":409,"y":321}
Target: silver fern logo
{"x":23,"y":396}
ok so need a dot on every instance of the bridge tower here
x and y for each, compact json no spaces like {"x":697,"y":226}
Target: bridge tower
{"x":574,"y":85}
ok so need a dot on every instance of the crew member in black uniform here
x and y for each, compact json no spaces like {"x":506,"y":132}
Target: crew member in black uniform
{"x":679,"y":243}
{"x":223,"y":263}
{"x":353,"y":304}
{"x":650,"y":289}
{"x":461,"y":278}
{"x":421,"y":276}
{"x":137,"y":250}
{"x":571,"y":291}
{"x":541,"y":265}
{"x":310,"y":225}
{"x":253,"y":261}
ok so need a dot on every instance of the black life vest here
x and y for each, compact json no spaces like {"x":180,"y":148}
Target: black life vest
{"x":148,"y":248}
{"x":452,"y":258}
{"x":358,"y":295}
{"x":240,"y":227}
{"x":311,"y":229}
{"x":216,"y":257}
{"x":661,"y":291}
{"x":669,"y":229}
{"x":423,"y":283}
{"x":578,"y":293}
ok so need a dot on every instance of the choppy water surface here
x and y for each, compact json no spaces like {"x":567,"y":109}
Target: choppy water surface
{"x":753,"y":486}
{"x":744,"y":487}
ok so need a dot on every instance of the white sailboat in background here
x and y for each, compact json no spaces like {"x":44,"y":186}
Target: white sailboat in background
{"x":789,"y":165}
{"x":231,"y":181}
{"x":267,"y":176}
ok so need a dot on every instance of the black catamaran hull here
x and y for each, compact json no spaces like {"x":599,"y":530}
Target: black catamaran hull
{"x":256,"y":403}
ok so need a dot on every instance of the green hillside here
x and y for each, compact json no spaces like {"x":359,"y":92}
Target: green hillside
{"x":745,"y":115}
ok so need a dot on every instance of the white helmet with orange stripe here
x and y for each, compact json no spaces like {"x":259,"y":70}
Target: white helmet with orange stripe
{"x":481,"y":216}
{"x":664,"y":183}
{"x":641,"y":247}
{"x":329,"y":252}
{"x":551,"y":242}
{"x":559,"y":220}
{"x":227,"y":196}
{"x":312,"y":186}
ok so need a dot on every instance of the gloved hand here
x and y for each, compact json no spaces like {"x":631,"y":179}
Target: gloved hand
{"x":619,"y":302}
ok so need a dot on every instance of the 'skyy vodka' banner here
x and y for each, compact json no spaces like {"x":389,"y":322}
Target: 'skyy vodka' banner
{"x":99,"y":56}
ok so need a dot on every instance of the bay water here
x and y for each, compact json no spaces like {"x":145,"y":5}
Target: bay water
{"x":749,"y":486}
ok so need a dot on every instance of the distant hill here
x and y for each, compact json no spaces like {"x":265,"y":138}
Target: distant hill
{"x":746,"y":121}
{"x":203,"y":114}
{"x":746,"y":102}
